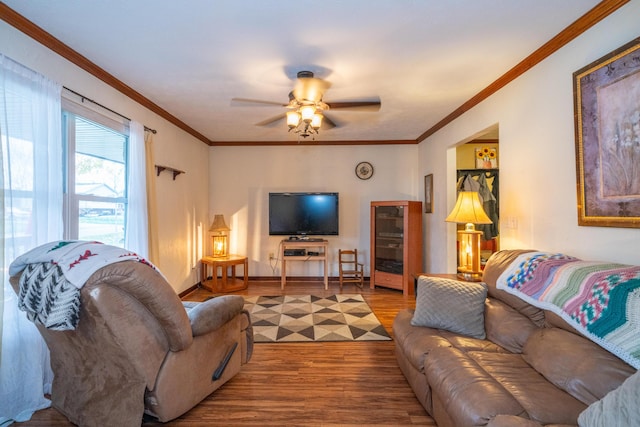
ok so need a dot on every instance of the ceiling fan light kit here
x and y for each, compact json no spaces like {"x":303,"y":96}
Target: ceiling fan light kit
{"x":305,"y":121}
{"x":306,"y":106}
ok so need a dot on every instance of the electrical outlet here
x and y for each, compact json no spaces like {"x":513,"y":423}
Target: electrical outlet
{"x":271,"y":255}
{"x":510,"y":222}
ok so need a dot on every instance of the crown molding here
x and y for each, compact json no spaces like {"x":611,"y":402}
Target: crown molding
{"x":586,"y":21}
{"x":582,"y":24}
{"x":22,"y":24}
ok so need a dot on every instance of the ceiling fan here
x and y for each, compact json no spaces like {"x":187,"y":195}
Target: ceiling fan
{"x":307,"y":109}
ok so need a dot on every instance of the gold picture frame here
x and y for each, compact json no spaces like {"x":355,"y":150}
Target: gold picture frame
{"x":428,"y":193}
{"x":607,"y":128}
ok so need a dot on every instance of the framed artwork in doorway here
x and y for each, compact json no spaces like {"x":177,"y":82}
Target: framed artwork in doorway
{"x":607,"y":127}
{"x":428,"y":193}
{"x":486,"y":158}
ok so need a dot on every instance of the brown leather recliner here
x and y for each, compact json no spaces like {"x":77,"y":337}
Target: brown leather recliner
{"x":137,"y":349}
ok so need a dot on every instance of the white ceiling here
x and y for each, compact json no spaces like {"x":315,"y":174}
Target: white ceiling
{"x":423,"y":58}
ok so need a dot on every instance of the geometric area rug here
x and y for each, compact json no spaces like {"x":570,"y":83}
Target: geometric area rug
{"x":308,"y":318}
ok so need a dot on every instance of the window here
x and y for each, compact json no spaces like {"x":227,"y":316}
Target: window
{"x":95,"y":191}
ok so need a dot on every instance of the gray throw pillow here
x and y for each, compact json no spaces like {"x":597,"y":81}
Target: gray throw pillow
{"x":452,"y":305}
{"x":618,"y":408}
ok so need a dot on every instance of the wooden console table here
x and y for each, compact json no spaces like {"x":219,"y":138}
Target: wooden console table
{"x":226,"y":283}
{"x":321,"y":247}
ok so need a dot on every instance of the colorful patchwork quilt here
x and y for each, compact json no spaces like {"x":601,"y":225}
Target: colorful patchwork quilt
{"x":601,"y":300}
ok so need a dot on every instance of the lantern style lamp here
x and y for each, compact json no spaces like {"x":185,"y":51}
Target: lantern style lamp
{"x":219,"y":230}
{"x":468,"y":210}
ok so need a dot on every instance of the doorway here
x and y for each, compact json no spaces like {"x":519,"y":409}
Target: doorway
{"x":477,"y":169}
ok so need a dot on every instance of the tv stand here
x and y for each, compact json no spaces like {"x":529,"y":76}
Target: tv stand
{"x":320,"y":253}
{"x":304,"y":239}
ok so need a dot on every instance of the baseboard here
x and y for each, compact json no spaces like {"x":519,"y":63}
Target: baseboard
{"x":297,"y":278}
{"x":290,"y":278}
{"x":273,"y":279}
{"x":188,"y":290}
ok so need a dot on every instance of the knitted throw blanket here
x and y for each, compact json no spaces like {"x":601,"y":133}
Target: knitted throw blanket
{"x":600,"y":300}
{"x":53,"y":275}
{"x":48,"y":298}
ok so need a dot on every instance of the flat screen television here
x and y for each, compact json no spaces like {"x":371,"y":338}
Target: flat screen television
{"x":303,"y":214}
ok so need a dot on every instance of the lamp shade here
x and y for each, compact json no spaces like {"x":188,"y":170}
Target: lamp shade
{"x":293,"y":119}
{"x":316,"y":121}
{"x":307,"y":112}
{"x":218,"y":224}
{"x":468,"y":210}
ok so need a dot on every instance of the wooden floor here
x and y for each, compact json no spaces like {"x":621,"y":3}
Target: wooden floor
{"x":307,"y":384}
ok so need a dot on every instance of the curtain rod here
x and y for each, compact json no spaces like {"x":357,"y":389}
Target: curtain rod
{"x":84,"y":98}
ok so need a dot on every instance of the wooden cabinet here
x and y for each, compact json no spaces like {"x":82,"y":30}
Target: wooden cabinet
{"x":396,"y":244}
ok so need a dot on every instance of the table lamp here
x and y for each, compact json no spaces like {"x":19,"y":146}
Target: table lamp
{"x":468,"y":210}
{"x":218,"y":232}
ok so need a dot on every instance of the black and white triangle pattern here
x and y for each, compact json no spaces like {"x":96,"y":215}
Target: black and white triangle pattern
{"x":48,"y":298}
{"x":308,"y":318}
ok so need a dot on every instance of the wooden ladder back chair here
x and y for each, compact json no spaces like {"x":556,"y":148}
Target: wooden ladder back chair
{"x":351,"y":271}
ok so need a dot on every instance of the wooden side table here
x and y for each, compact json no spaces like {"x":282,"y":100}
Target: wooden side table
{"x":227,"y":283}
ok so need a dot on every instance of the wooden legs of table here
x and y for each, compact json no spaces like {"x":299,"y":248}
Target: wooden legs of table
{"x":283,"y":277}
{"x":326,"y":274}
{"x":283,"y":274}
{"x":226,"y":283}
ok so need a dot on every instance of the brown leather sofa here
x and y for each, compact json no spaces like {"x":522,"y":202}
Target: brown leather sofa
{"x":532,"y":368}
{"x":137,"y":349}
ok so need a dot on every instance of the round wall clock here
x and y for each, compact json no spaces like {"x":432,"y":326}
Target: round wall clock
{"x":364,"y":170}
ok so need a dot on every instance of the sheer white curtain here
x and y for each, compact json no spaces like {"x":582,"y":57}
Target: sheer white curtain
{"x":152,"y":211}
{"x":136,"y":237}
{"x":30,"y":128}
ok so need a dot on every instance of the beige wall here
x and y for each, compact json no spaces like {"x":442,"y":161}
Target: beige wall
{"x":242,"y":177}
{"x":183,"y":203}
{"x":537,"y":158}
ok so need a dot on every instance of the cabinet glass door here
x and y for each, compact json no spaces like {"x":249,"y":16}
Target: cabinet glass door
{"x":389,"y":236}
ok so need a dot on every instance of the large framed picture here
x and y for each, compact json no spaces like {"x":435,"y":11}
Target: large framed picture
{"x":607,"y":126}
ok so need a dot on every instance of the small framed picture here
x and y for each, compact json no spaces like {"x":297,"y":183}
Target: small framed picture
{"x":486,"y":158}
{"x":428,"y":193}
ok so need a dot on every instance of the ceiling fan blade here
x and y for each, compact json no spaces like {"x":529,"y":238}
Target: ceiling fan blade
{"x":310,"y":89}
{"x":235,"y":102}
{"x":272,"y":120}
{"x":370,"y":105}
{"x":327,"y":123}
